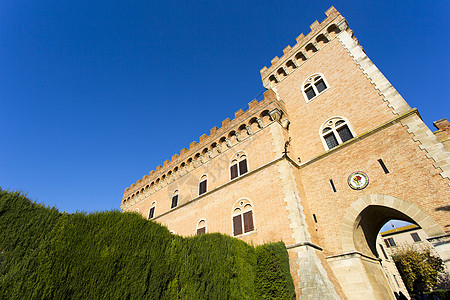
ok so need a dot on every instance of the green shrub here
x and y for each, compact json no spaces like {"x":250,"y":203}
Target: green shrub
{"x":45,"y":254}
{"x":419,"y":268}
{"x":273,"y":279}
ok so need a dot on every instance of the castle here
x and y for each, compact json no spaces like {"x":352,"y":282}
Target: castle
{"x":329,"y":155}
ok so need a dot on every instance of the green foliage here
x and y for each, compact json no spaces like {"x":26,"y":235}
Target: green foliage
{"x":45,"y":254}
{"x":419,"y":268}
{"x":274,"y":279}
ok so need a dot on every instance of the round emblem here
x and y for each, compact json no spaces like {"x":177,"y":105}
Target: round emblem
{"x":358,"y":180}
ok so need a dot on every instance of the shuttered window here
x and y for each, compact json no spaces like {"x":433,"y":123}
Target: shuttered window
{"x":174,"y":201}
{"x":201,"y":231}
{"x":248,"y":221}
{"x":345,"y":134}
{"x":237,"y":225}
{"x":313,"y":86}
{"x":321,"y":86}
{"x":336,"y":132}
{"x":239,"y":169}
{"x":234,"y":171}
{"x":310,"y":93}
{"x":243,"y":167}
{"x":202,"y":187}
{"x":331,"y":141}
{"x":243,"y":223}
{"x":151,"y":214}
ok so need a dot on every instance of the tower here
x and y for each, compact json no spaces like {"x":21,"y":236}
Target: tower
{"x":329,"y":155}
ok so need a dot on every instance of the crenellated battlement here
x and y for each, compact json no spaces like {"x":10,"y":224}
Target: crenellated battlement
{"x":306,"y":46}
{"x":257,"y":116}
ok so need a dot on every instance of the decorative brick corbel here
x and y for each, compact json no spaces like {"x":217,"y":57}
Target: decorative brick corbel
{"x":219,"y":148}
{"x":228,"y":142}
{"x":275,"y":114}
{"x":260,"y":123}
{"x":249,"y":129}
{"x":238,"y":136}
{"x":342,"y":25}
{"x":315,"y":46}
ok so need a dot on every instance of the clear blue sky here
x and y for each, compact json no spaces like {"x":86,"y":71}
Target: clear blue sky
{"x":95,"y":94}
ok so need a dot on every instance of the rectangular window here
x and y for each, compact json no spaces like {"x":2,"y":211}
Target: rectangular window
{"x":396,"y":281}
{"x":345,"y":133}
{"x":234,"y":171}
{"x":310,"y":93}
{"x":415,"y":237}
{"x":243,"y":167}
{"x":392,"y":242}
{"x":387,"y":243}
{"x":248,"y":221}
{"x":384,"y":252}
{"x":201,"y":231}
{"x":331,"y":141}
{"x":237,"y":225}
{"x":202,"y":188}
{"x":332,"y":185}
{"x":151,"y":214}
{"x":385,"y":169}
{"x":321,"y":86}
{"x":174,"y":201}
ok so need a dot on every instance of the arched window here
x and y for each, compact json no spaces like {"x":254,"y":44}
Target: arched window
{"x":335,"y":131}
{"x":201,"y":227}
{"x":151,"y":212}
{"x":313,"y":86}
{"x":202,"y":186}
{"x":242,"y":217}
{"x":174,"y":199}
{"x":238,"y":165}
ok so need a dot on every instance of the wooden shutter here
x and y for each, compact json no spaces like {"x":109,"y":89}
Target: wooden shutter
{"x":174,"y":201}
{"x":234,"y":171}
{"x":151,"y":213}
{"x":243,"y":167}
{"x":201,"y":230}
{"x":248,"y":221}
{"x":331,"y":141}
{"x":237,"y":225}
{"x":345,"y":133}
{"x":202,"y":188}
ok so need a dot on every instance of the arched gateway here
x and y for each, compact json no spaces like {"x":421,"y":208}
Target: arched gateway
{"x":330,"y":154}
{"x":358,"y":234}
{"x":365,"y":217}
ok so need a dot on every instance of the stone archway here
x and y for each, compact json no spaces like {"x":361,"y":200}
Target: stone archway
{"x":358,"y":268}
{"x":365,"y":217}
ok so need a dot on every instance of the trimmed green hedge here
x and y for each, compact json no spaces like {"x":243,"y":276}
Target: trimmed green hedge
{"x":45,"y":254}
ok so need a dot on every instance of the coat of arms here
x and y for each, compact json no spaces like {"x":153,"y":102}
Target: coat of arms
{"x":358,"y":180}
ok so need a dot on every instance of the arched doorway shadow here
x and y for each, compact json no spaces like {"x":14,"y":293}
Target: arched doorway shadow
{"x":365,"y":217}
